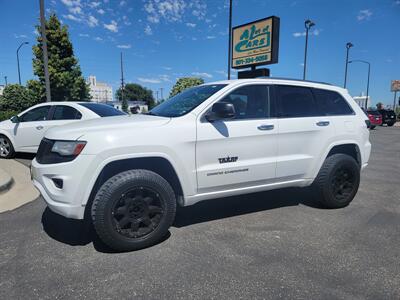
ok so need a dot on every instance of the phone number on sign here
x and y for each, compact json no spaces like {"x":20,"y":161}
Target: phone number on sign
{"x":251,"y":60}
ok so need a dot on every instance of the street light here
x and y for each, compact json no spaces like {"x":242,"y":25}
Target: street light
{"x":348,"y":46}
{"x":308,"y":24}
{"x":369,"y":71}
{"x":19,"y":73}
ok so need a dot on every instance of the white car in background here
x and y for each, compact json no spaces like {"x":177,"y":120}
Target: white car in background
{"x":23,"y":133}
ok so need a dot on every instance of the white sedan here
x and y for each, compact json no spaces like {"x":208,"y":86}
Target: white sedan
{"x":23,"y":133}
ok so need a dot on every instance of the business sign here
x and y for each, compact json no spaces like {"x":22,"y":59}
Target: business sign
{"x":255,"y":43}
{"x":395,"y":86}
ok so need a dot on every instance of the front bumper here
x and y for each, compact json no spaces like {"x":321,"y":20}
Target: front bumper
{"x":68,"y":201}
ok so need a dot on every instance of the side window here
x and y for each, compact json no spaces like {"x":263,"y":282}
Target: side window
{"x":36,"y":114}
{"x":63,"y":112}
{"x":331,"y":103}
{"x":250,"y":102}
{"x":295,"y":102}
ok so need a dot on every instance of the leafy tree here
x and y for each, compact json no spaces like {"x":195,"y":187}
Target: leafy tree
{"x":136,"y":92}
{"x":379,"y":105}
{"x":17,"y":98}
{"x":66,"y":81}
{"x":184,"y":83}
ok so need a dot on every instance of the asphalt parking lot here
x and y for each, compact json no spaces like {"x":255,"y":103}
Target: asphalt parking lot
{"x":277,"y":244}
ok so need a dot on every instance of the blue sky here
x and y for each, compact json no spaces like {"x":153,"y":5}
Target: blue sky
{"x":165,"y":39}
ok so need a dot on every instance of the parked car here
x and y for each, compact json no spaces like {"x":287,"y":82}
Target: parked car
{"x":375,"y":118}
{"x":23,"y":133}
{"x":126,"y":175}
{"x":388,"y":116}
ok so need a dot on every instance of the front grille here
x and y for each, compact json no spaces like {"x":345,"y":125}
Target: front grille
{"x":44,"y":151}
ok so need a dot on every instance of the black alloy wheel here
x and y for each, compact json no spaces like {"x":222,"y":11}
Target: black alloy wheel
{"x":343,"y":183}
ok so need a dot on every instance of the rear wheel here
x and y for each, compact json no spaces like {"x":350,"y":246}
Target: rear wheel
{"x":372,"y":127}
{"x":6,"y":147}
{"x":338,"y":181}
{"x":390,"y":124}
{"x":133,"y":210}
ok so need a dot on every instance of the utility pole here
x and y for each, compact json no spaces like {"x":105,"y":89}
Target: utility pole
{"x":394,"y":101}
{"x":157,"y":96}
{"x":230,"y":40}
{"x":348,"y":46}
{"x":19,"y":72}
{"x":161,"y":90}
{"x":5,"y":80}
{"x":122,"y":80}
{"x":308,"y":24}
{"x":44,"y":48}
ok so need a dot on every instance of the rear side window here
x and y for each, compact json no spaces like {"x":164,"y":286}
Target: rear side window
{"x":103,"y":110}
{"x":250,"y":102}
{"x":63,"y":112}
{"x":295,"y":102}
{"x":331,"y":103}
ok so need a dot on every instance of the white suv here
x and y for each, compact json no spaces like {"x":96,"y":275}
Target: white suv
{"x":127,"y":174}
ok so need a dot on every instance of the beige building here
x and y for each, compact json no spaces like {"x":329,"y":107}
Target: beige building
{"x":360,"y":100}
{"x":100,"y":91}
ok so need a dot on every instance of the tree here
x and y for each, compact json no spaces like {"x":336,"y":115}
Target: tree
{"x":136,"y":92}
{"x":379,"y":105}
{"x":66,"y":81}
{"x":184,"y":83}
{"x":17,"y":98}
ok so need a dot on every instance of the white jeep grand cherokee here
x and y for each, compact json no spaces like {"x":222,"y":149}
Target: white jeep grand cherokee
{"x":126,"y":174}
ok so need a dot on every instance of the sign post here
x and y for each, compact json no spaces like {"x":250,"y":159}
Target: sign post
{"x":254,"y":44}
{"x":395,"y":87}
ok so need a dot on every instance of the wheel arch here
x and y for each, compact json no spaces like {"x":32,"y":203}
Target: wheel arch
{"x":350,"y":149}
{"x":156,"y":164}
{"x":8,"y":135}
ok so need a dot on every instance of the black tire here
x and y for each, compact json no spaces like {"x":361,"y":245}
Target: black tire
{"x":124,"y":217}
{"x":372,"y":127}
{"x":6,"y":147}
{"x":390,"y":124}
{"x":337,"y":181}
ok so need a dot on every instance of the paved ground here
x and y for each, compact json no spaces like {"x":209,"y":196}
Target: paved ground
{"x":268,"y":245}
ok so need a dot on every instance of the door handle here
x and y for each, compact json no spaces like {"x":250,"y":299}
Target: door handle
{"x":323,"y":123}
{"x":40,"y":127}
{"x":265,"y":127}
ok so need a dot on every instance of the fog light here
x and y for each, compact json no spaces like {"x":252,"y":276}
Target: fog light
{"x":58,"y":182}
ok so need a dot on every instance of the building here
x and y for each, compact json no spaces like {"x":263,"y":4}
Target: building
{"x":100,"y":91}
{"x":134,"y":107}
{"x":360,"y":100}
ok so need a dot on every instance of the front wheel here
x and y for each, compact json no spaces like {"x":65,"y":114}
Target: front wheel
{"x":337,"y":181}
{"x":372,"y":127}
{"x":6,"y":147}
{"x":133,"y":210}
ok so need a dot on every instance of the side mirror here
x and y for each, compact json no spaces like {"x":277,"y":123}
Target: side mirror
{"x":221,"y":111}
{"x":14,"y":119}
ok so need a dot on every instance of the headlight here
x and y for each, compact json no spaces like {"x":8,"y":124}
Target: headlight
{"x":54,"y":152}
{"x":68,"y":148}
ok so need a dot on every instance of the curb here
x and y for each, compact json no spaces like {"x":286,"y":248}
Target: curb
{"x":6,"y":181}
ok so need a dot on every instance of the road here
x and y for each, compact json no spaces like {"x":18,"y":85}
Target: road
{"x":277,"y":244}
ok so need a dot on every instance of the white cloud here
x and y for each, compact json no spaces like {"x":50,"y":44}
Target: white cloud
{"x":75,"y":10}
{"x":202,"y":74}
{"x":364,"y":14}
{"x":101,"y":11}
{"x":126,"y":20}
{"x":94,"y":4}
{"x":122,"y":3}
{"x":210,"y":37}
{"x":71,"y":3}
{"x":92,"y":21}
{"x":167,"y":68}
{"x":149,"y":80}
{"x":148,"y":30}
{"x":98,"y":39}
{"x":124,"y":46}
{"x":168,"y":10}
{"x":315,"y":32}
{"x":20,"y":36}
{"x":83,"y":35}
{"x":397,"y":2}
{"x":191,"y":25}
{"x":72,"y":18}
{"x":222,"y":72}
{"x":113,"y":26}
{"x":165,"y":78}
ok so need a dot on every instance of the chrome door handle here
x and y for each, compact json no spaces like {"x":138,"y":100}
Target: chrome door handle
{"x":40,"y":127}
{"x":323,"y":123}
{"x":265,"y":127}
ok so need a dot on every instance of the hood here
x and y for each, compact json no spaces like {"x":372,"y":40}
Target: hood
{"x":104,"y":125}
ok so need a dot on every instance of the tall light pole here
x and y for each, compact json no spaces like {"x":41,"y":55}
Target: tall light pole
{"x":230,"y":40}
{"x":44,"y":48}
{"x":348,"y":46}
{"x":308,"y":24}
{"x":369,"y":72}
{"x":19,"y":72}
{"x":5,"y":80}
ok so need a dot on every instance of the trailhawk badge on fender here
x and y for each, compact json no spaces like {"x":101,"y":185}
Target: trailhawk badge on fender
{"x":229,"y":159}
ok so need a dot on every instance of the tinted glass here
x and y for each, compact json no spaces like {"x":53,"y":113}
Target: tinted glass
{"x":331,"y":103}
{"x":62,"y":112}
{"x":250,"y":102}
{"x":103,"y":110}
{"x":295,"y":102}
{"x":36,"y":114}
{"x":186,"y":101}
{"x":374,"y":112}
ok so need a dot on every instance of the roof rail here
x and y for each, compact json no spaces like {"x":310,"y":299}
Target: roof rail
{"x":292,"y":79}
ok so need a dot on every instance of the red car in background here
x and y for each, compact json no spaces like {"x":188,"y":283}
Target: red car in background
{"x":375,"y":118}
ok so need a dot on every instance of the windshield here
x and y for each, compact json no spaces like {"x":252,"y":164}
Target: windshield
{"x":103,"y":110}
{"x":186,"y":101}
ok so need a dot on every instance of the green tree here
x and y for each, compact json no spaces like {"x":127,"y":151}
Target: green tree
{"x":136,"y":92}
{"x":66,"y":81}
{"x":379,"y":105}
{"x":184,"y":83}
{"x":17,"y":98}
